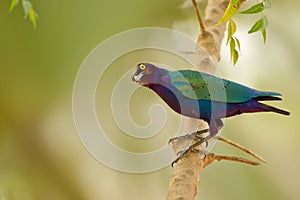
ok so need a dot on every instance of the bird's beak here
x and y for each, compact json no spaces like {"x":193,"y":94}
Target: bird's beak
{"x":137,"y":77}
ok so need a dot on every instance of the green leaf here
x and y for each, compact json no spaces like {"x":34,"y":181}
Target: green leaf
{"x":13,"y":4}
{"x":32,"y":17}
{"x":235,"y":56}
{"x":238,"y":43}
{"x":29,"y":11}
{"x":232,"y":48}
{"x":259,"y":24}
{"x":257,"y":8}
{"x":233,"y":26}
{"x":231,"y":29}
{"x":232,"y":45}
{"x":229,"y":32}
{"x":26,"y":7}
{"x":230,"y":11}
{"x":265,"y":22}
{"x":264,"y":34}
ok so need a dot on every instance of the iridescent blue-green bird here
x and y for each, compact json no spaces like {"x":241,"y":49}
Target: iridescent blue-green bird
{"x":203,"y":96}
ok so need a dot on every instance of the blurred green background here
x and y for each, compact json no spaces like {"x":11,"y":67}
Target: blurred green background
{"x":41,"y":156}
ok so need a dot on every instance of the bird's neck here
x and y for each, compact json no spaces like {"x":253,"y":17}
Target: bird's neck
{"x":164,"y":89}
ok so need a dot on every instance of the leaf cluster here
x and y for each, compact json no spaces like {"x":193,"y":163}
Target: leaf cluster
{"x":28,"y":9}
{"x":233,"y":41}
{"x":260,"y":25}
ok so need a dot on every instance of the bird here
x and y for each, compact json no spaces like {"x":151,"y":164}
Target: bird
{"x":203,"y":96}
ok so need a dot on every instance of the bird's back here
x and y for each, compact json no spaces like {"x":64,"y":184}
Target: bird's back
{"x":202,"y":86}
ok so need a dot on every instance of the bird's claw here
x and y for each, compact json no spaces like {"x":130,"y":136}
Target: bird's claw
{"x":183,"y":154}
{"x":193,"y":135}
{"x":186,"y":152}
{"x":206,"y":142}
{"x":182,"y":137}
{"x":192,"y":149}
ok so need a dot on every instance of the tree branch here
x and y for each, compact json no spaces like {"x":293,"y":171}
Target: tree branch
{"x":185,"y":179}
{"x":241,"y":148}
{"x":209,"y":42}
{"x":212,"y":157}
{"x":202,"y":28}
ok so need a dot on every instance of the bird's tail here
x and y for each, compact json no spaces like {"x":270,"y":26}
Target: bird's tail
{"x":272,"y":109}
{"x":266,"y":96}
{"x":255,"y":106}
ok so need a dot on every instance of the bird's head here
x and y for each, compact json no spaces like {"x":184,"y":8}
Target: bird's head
{"x":147,"y":73}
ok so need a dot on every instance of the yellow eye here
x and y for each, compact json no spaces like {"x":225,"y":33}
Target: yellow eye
{"x":142,"y":66}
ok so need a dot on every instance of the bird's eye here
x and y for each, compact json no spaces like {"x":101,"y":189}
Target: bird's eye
{"x":142,"y":66}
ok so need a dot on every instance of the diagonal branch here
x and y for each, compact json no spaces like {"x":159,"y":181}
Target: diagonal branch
{"x":241,"y":148}
{"x":212,"y":157}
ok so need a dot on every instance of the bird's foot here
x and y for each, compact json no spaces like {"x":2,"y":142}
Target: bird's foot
{"x":192,"y":149}
{"x":189,"y":136}
{"x":184,"y":153}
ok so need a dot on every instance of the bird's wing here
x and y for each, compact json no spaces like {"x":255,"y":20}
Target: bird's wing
{"x":202,"y":86}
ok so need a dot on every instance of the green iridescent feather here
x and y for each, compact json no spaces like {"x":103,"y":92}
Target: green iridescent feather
{"x":202,"y":86}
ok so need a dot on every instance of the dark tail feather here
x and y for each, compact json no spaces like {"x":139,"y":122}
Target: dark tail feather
{"x":267,"y":98}
{"x":273,"y":109}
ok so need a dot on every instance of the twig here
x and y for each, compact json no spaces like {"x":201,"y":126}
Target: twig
{"x":240,"y":147}
{"x":202,"y":27}
{"x":212,"y":157}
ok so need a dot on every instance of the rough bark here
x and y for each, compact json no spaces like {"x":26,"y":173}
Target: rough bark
{"x":185,"y":179}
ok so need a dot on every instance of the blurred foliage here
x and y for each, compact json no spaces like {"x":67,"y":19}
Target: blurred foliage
{"x":28,"y":10}
{"x":41,"y":156}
